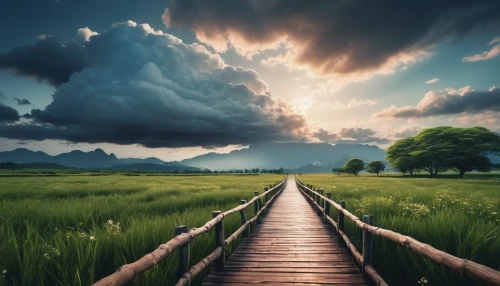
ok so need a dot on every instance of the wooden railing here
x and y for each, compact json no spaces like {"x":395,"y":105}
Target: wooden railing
{"x":184,"y":236}
{"x":322,"y":204}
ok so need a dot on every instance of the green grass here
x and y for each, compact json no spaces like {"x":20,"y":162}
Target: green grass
{"x":56,"y":230}
{"x":460,"y":217}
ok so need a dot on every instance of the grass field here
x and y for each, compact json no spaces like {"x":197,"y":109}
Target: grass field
{"x":72,"y":229}
{"x":460,"y":217}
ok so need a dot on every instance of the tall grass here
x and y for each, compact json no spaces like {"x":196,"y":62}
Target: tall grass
{"x":74,"y":230}
{"x":460,"y":217}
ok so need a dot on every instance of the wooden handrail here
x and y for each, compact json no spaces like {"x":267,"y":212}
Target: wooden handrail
{"x":127,"y":272}
{"x":461,"y":265}
{"x":205,"y":262}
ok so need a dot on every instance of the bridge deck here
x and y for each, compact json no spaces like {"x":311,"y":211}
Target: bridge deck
{"x":292,"y":246}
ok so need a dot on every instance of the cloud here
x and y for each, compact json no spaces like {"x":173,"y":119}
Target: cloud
{"x":485,"y":118}
{"x":83,"y":35}
{"x":484,"y":56}
{"x":350,"y":135}
{"x":47,"y":60}
{"x":407,"y":131}
{"x":495,"y":40}
{"x":8,"y":114}
{"x":140,"y":86}
{"x":2,"y":96}
{"x":434,"y":80}
{"x":449,"y":101}
{"x":22,"y":101}
{"x":398,"y":33}
{"x":302,"y":104}
{"x":358,"y":102}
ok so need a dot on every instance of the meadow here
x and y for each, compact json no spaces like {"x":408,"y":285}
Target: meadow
{"x":460,"y":217}
{"x":59,"y":228}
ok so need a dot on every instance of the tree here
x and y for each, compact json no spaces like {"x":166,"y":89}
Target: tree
{"x":433,"y":149}
{"x":470,"y":163}
{"x":399,"y":155}
{"x":375,"y":167}
{"x":473,"y":145}
{"x":338,"y":170}
{"x":354,"y":166}
{"x":438,"y":149}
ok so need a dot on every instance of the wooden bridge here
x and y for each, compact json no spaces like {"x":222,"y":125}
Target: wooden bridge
{"x":291,"y":245}
{"x":294,"y":242}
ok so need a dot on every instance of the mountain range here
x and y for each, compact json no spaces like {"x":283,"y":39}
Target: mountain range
{"x":300,"y":157}
{"x":97,"y":159}
{"x":289,"y":156}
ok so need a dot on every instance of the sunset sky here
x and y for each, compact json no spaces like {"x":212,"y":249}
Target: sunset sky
{"x":175,"y":79}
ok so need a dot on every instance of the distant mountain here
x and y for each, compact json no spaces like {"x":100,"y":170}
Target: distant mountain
{"x":167,"y":167}
{"x":97,"y":159}
{"x":285,"y":155}
{"x":318,"y":167}
{"x":150,"y":160}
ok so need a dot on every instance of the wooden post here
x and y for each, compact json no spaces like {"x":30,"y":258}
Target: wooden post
{"x":243,"y":218}
{"x":184,"y":253}
{"x":340,"y":223}
{"x":320,"y":200}
{"x":257,"y":206}
{"x":367,"y":244}
{"x":266,"y":196}
{"x":326,"y":205}
{"x":219,"y":241}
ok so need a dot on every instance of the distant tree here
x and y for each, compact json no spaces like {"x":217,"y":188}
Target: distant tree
{"x":354,"y":166}
{"x":338,"y":171}
{"x":375,"y":167}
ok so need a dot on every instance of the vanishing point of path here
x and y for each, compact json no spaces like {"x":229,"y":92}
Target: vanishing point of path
{"x":292,"y":246}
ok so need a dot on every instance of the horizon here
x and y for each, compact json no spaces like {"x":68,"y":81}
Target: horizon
{"x":175,"y":81}
{"x":211,"y":152}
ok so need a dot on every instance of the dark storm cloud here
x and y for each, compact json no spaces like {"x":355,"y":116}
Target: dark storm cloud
{"x":47,"y":60}
{"x":149,"y":88}
{"x":8,"y":114}
{"x":350,"y":135}
{"x":450,"y":101}
{"x":22,"y":101}
{"x":333,"y":36}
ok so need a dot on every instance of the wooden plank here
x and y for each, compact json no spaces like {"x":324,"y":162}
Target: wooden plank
{"x":292,"y":246}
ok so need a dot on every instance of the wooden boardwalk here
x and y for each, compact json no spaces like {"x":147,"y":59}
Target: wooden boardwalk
{"x":292,"y":246}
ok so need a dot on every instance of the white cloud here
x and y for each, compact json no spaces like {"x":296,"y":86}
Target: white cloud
{"x":434,"y":80}
{"x":302,"y":104}
{"x":83,"y":35}
{"x":486,"y":55}
{"x":495,"y":40}
{"x":358,"y":102}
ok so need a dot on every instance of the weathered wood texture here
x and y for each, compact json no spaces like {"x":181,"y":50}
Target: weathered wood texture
{"x":292,"y":246}
{"x":461,"y":265}
{"x":126,"y":273}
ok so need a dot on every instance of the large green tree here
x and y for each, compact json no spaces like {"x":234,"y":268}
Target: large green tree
{"x":441,"y":148}
{"x":354,"y":166}
{"x":375,"y":167}
{"x":399,"y":155}
{"x":433,"y":147}
{"x":473,"y":145}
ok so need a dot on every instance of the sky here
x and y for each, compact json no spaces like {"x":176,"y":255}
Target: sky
{"x":175,"y":79}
